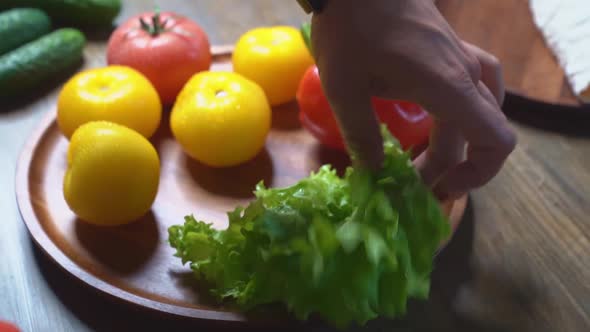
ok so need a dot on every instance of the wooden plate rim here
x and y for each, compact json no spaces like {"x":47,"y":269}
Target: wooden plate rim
{"x":42,"y":240}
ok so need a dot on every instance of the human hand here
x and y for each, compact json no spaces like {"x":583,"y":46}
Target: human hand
{"x":406,"y":50}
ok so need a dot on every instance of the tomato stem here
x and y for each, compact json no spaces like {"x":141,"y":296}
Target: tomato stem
{"x":156,"y":27}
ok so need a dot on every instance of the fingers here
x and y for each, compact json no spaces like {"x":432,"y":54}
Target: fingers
{"x":345,"y":84}
{"x":348,"y":93}
{"x":491,"y":71}
{"x":441,"y":166}
{"x":489,"y":137}
{"x":446,"y":150}
{"x":467,"y":106}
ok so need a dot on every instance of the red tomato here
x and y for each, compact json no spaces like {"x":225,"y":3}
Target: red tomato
{"x":8,"y":327}
{"x":166,"y":47}
{"x":407,"y":121}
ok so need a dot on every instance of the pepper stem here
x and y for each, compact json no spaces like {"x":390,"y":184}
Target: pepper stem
{"x":306,"y":34}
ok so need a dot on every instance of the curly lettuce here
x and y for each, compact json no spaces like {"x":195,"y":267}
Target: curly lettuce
{"x":348,"y":249}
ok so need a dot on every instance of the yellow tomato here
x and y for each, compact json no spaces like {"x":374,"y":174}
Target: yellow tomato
{"x":113,"y":174}
{"x":221,"y":118}
{"x":274,"y":57}
{"x":115,"y":93}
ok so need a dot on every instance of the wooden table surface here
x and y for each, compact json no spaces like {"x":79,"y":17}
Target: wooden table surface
{"x":506,"y":28}
{"x":519,"y":262}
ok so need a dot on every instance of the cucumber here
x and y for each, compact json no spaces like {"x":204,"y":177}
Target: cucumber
{"x":81,"y":13}
{"x":28,"y":66}
{"x":21,"y":25}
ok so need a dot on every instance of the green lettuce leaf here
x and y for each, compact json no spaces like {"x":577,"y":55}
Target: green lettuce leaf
{"x":348,"y":248}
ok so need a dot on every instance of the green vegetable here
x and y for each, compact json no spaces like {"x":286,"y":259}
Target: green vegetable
{"x":84,"y":13}
{"x":21,"y":25}
{"x":350,"y":248}
{"x":42,"y":59}
{"x":306,"y":34}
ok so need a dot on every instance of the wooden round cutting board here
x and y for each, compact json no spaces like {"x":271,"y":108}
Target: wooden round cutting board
{"x":534,"y":78}
{"x":134,"y":263}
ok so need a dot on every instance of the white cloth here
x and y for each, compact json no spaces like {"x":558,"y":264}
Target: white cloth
{"x":565,"y":25}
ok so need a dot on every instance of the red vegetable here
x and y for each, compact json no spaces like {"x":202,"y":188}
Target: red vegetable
{"x":8,"y":327}
{"x":166,"y":47}
{"x":407,"y":121}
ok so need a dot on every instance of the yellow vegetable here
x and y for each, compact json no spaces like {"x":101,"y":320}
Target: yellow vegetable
{"x":274,"y":57}
{"x":221,"y":118}
{"x":117,"y":94}
{"x":113,"y":174}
